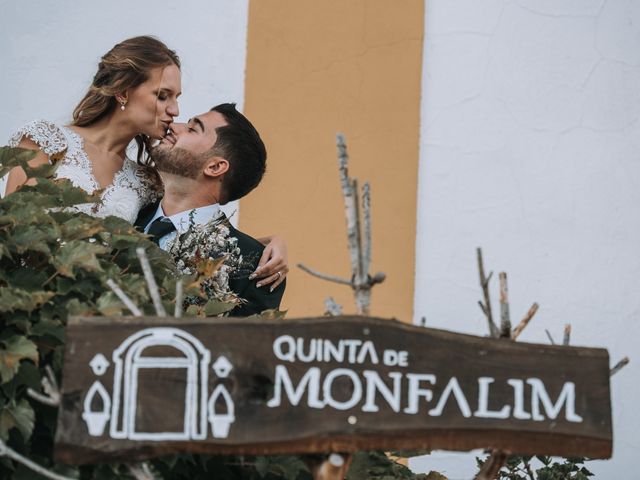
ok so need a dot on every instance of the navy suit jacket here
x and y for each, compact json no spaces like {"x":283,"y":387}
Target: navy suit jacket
{"x":257,"y":299}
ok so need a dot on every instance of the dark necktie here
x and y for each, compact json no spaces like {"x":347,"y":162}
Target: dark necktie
{"x":159,"y":228}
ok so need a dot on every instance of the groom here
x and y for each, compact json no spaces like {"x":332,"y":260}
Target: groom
{"x":213,"y":159}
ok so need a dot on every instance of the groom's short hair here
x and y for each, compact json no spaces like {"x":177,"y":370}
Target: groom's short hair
{"x":240,"y":144}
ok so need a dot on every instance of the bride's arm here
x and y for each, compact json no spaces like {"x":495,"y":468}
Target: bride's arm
{"x":17,"y":176}
{"x":273,"y":265}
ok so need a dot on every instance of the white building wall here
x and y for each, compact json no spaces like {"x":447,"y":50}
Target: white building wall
{"x":50,"y":52}
{"x":530,"y":149}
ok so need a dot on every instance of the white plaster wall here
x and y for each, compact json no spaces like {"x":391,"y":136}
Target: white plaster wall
{"x":50,"y":51}
{"x":530,"y":149}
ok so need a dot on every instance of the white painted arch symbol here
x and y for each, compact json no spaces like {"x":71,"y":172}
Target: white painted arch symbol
{"x":128,"y":361}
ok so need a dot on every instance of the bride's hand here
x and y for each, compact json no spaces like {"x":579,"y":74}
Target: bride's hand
{"x":273,"y":265}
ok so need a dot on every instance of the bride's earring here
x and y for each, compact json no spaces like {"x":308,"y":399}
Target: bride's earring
{"x":122,"y":105}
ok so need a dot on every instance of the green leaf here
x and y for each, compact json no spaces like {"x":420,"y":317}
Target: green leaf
{"x":11,"y":157}
{"x":18,"y":415}
{"x":15,"y":349}
{"x":78,"y":255}
{"x":78,"y":228}
{"x":288,"y":467}
{"x":5,"y":252}
{"x":16,"y":299}
{"x":81,"y":287}
{"x":31,"y":238}
{"x":28,"y":376}
{"x":28,"y":278}
{"x":41,"y":171}
{"x":216,"y":307}
{"x":51,"y":328}
{"x":109,"y":304}
{"x":76,"y":307}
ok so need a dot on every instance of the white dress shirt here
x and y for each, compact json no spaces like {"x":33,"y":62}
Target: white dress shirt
{"x":182,"y":220}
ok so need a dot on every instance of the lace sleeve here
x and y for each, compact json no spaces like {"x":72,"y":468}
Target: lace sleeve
{"x":48,"y":136}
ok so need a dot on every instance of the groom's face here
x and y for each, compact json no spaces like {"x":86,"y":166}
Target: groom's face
{"x":185,"y":149}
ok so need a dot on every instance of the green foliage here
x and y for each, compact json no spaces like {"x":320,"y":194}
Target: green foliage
{"x":200,"y":467}
{"x":54,"y":262}
{"x":378,"y":466}
{"x":519,"y":467}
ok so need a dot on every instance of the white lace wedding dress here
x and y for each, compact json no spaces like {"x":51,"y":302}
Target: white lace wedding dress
{"x":131,"y":189}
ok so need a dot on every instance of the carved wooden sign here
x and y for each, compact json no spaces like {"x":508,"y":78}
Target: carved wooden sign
{"x":139,"y":387}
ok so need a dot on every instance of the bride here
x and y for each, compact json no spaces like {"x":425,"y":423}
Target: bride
{"x":133,"y":96}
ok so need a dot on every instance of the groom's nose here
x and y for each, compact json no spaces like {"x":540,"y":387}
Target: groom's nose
{"x":178,"y":128}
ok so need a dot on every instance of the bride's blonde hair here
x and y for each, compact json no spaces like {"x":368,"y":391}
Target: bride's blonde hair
{"x":127,"y":65}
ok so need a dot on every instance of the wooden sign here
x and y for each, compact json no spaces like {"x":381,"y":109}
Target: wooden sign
{"x":140,"y":387}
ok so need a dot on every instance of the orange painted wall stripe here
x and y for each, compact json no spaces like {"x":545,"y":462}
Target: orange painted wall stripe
{"x":314,"y":69}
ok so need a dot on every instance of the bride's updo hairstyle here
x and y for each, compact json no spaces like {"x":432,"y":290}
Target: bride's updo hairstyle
{"x":125,"y":66}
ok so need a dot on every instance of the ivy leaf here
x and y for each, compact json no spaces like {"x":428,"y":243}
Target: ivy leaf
{"x":11,"y":157}
{"x":78,"y":228}
{"x":288,"y":467}
{"x":18,"y":415}
{"x":73,"y":195}
{"x":27,"y":377}
{"x":109,"y":304}
{"x":262,"y":466}
{"x":5,"y":252}
{"x":45,"y":170}
{"x":78,"y":255}
{"x":16,"y":348}
{"x":51,"y":328}
{"x":16,"y":299}
{"x":27,"y":278}
{"x":216,"y":307}
{"x":30,"y":238}
{"x":78,"y":308}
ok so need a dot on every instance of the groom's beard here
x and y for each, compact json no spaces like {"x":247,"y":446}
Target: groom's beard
{"x":177,"y":161}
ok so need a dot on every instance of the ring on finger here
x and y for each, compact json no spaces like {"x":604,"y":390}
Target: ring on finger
{"x":278,"y":274}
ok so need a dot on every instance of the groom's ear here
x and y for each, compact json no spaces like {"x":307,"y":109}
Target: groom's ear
{"x":215,"y":167}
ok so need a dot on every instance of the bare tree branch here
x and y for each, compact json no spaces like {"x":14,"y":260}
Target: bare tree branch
{"x":334,"y":467}
{"x":177,"y":313}
{"x":140,"y":471}
{"x":619,"y":366}
{"x":124,"y":298}
{"x":505,"y":321}
{"x":567,"y":334}
{"x":377,"y":278}
{"x":332,"y":309}
{"x":51,"y":396}
{"x":323,"y":276}
{"x":358,"y":236}
{"x":484,"y":284}
{"x":366,"y":219}
{"x":549,"y":336}
{"x":44,"y":399}
{"x":151,"y":282}
{"x":492,"y":466}
{"x":6,"y":451}
{"x":524,"y":322}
